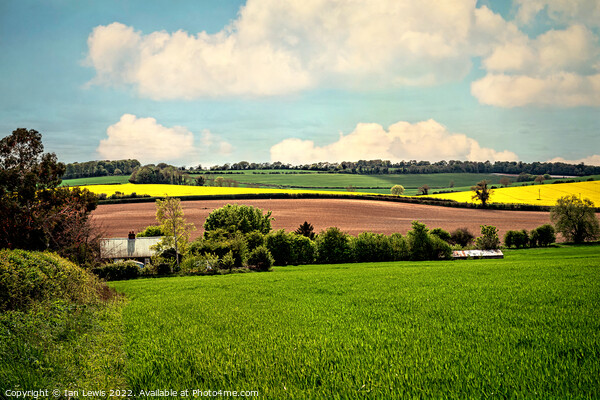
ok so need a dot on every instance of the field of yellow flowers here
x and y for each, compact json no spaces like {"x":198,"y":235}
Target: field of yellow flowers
{"x":545,"y":195}
{"x":159,"y":190}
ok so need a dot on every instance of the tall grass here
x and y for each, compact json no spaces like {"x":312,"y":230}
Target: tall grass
{"x":523,"y":327}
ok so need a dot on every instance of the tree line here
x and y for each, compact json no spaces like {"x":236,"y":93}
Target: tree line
{"x":99,"y":168}
{"x":420,"y":167}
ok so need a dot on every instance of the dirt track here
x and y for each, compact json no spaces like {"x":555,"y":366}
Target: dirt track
{"x":352,"y":216}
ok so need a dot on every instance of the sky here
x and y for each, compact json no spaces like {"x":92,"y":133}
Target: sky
{"x":205,"y":82}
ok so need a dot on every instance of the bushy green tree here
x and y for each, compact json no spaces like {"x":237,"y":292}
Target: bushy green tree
{"x":254,"y":239}
{"x":545,"y":235}
{"x":517,"y":239}
{"x":151,"y":231}
{"x":397,"y":190}
{"x":419,"y":242}
{"x":399,"y":247}
{"x":575,"y":219}
{"x":489,"y":239}
{"x":238,"y":218}
{"x":279,"y":244}
{"x":303,"y":249}
{"x":442,"y":234}
{"x":372,"y":247}
{"x":333,"y":246}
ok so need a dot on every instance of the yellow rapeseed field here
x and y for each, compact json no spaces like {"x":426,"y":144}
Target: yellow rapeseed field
{"x":545,"y":195}
{"x":156,"y":190}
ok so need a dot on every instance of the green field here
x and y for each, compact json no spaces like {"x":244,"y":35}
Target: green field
{"x":527,"y":326}
{"x":97,"y":180}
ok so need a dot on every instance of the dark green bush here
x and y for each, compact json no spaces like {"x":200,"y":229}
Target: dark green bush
{"x":150,"y":231}
{"x":279,"y":244}
{"x":441,"y":249}
{"x":399,"y":247}
{"x":304,"y":250}
{"x":545,"y":235}
{"x":118,"y":271}
{"x":419,"y":242}
{"x":235,"y":243}
{"x":260,"y":259}
{"x":442,"y":234}
{"x":333,"y":246}
{"x":254,"y":239}
{"x":462,"y":237}
{"x":228,"y":261}
{"x":372,"y":247}
{"x":518,"y":239}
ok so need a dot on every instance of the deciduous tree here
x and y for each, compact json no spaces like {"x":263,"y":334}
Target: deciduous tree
{"x":169,"y":215}
{"x":482,"y":192}
{"x":575,"y":219}
{"x":397,"y":190}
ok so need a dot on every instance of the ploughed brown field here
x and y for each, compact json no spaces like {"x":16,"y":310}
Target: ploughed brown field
{"x":351,"y":216}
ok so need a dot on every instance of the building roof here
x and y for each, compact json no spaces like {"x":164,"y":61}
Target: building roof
{"x":128,"y":248}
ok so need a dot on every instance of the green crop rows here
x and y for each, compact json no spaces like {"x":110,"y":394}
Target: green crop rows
{"x":527,"y":326}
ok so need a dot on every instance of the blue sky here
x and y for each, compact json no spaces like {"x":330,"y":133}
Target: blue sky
{"x":207,"y":82}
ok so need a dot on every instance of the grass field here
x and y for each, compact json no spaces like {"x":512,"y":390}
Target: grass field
{"x":527,"y":326}
{"x":545,"y":195}
{"x":97,"y":180}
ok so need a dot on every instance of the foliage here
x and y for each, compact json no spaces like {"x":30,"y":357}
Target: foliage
{"x":99,"y":168}
{"x":303,"y":249}
{"x":462,"y":237}
{"x":575,"y":219}
{"x":254,"y":239}
{"x":419,"y":242}
{"x":161,"y":173}
{"x":260,"y":259}
{"x":221,"y":246}
{"x":399,"y":247}
{"x":442,"y":234}
{"x":370,"y":247}
{"x":228,"y":261}
{"x":489,"y":238}
{"x":482,"y":192}
{"x":169,"y":215}
{"x":333,"y":246}
{"x":279,"y":244}
{"x":200,"y":264}
{"x":423,"y":190}
{"x":545,"y":235}
{"x":151,"y":231}
{"x":397,"y":190}
{"x":118,"y":271}
{"x":236,"y":217}
{"x":518,"y":239}
{"x":28,"y":277}
{"x":441,"y":249}
{"x":35,"y":213}
{"x":306,"y":229}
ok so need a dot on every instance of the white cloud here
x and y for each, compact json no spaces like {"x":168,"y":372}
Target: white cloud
{"x":150,"y":142}
{"x":558,"y":68}
{"x":591,"y":160}
{"x":426,"y":140}
{"x":277,"y":47}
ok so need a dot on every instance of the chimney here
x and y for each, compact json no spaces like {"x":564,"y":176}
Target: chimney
{"x":131,"y":235}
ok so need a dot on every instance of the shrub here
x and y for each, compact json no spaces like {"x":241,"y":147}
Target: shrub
{"x":517,"y":239}
{"x":489,"y":238}
{"x":242,"y":218}
{"x":545,"y":235}
{"x":203,"y":264}
{"x":442,"y":234}
{"x":462,"y":237}
{"x":304,"y":250}
{"x":441,"y":249}
{"x":254,"y":239}
{"x":118,"y":271}
{"x":152,"y":230}
{"x":419,"y":242}
{"x":228,"y":261}
{"x":280,"y":245}
{"x":399,"y":247}
{"x":28,"y":277}
{"x":236,"y":244}
{"x":333,"y":246}
{"x":372,"y":247}
{"x":260,"y":259}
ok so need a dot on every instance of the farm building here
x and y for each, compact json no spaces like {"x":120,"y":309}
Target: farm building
{"x":132,"y":248}
{"x":464,"y":254}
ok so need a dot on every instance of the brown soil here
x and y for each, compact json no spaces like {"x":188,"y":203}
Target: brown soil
{"x":351,"y":216}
